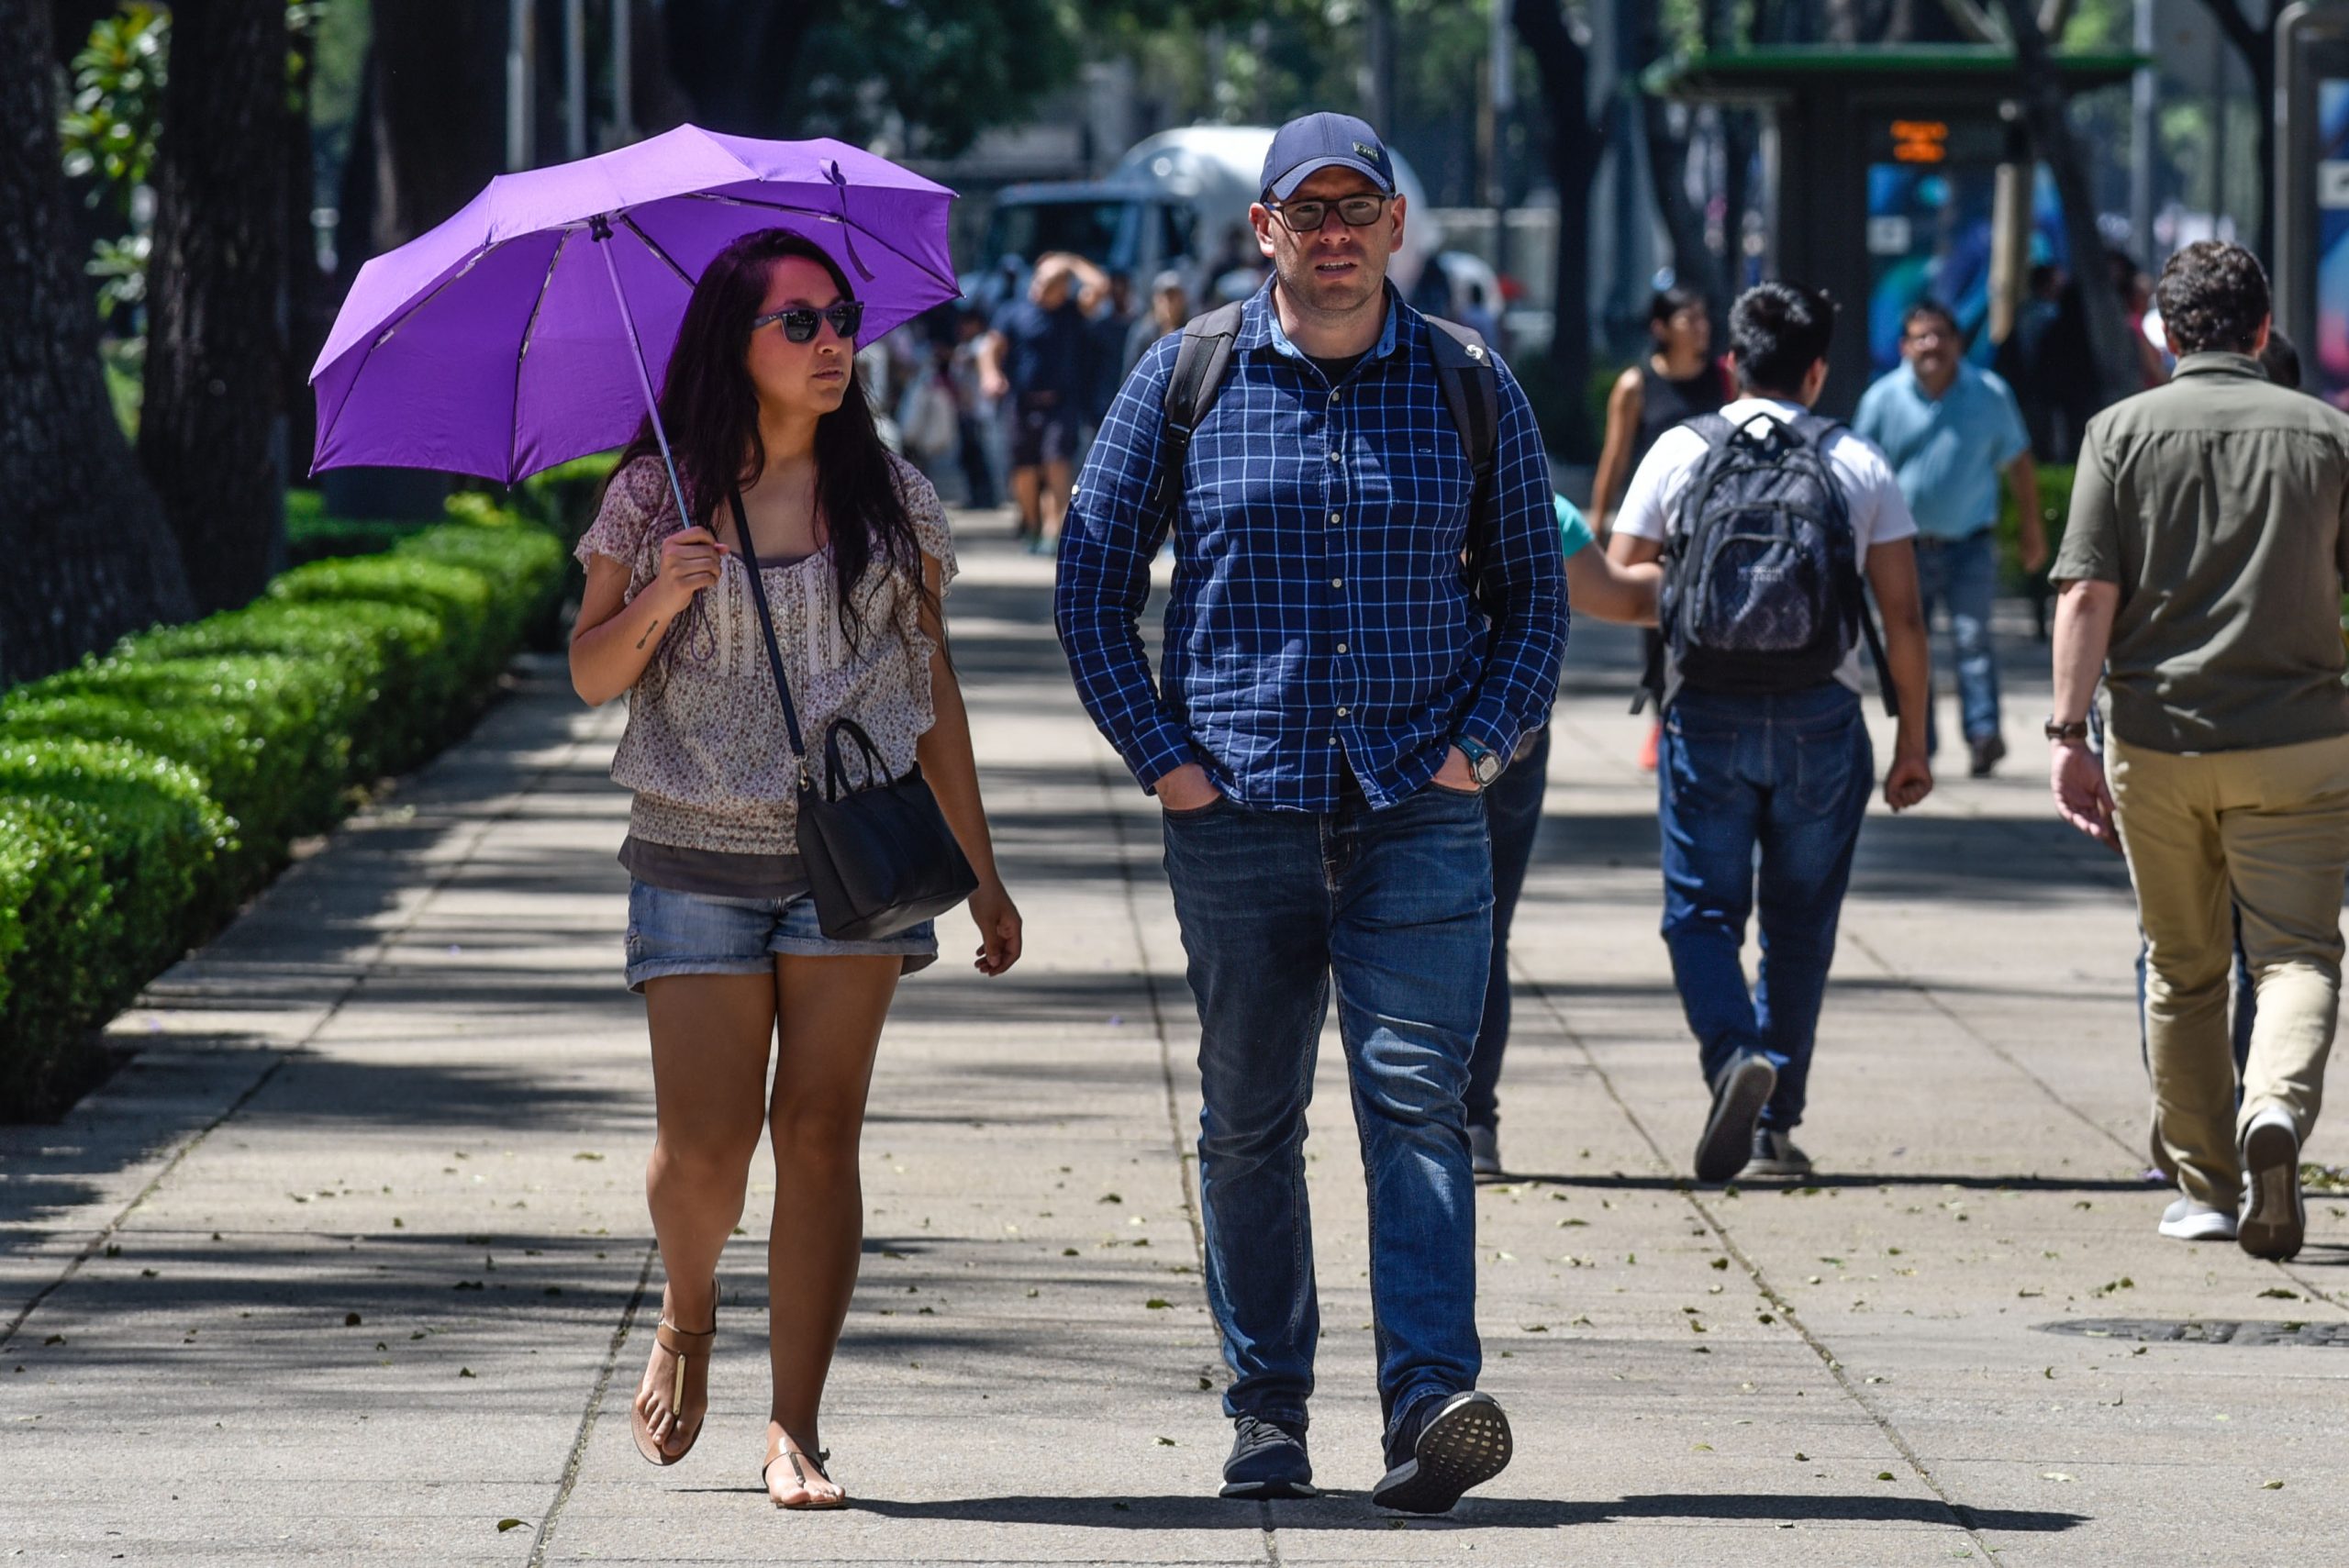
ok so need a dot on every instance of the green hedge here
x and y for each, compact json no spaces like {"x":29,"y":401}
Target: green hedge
{"x":147,"y":791}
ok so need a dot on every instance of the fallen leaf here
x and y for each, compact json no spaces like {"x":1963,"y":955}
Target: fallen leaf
{"x":505,"y":1525}
{"x":1804,"y":1457}
{"x":351,"y":1320}
{"x":2053,"y":1475}
{"x":1157,"y":1304}
{"x":1886,"y":1476}
{"x":1167,"y":1442}
{"x":2273,"y":1293}
{"x":465,"y":1372}
{"x":1721,"y":1262}
{"x":2271,"y":1486}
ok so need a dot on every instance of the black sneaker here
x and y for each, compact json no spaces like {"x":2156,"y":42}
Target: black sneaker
{"x":1268,"y":1460}
{"x":1776,"y":1154}
{"x":1465,"y":1442}
{"x":1484,"y":1153}
{"x":1984,"y":754}
{"x":1739,"y":1094}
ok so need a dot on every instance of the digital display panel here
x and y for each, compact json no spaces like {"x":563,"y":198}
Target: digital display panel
{"x":2330,"y":359}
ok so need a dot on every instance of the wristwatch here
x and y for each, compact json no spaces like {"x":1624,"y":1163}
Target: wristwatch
{"x":2077,"y":729}
{"x":1485,"y":765}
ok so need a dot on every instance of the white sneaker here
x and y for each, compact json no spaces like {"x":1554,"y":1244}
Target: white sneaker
{"x":2273,"y":1220}
{"x":2187,"y":1220}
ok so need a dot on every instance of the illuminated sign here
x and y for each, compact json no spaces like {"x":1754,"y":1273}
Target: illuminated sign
{"x":1919,"y":141}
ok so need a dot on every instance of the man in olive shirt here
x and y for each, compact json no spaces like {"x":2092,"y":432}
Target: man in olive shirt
{"x":2202,"y":571}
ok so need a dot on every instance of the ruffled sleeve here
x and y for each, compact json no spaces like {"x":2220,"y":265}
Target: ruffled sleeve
{"x":927,"y":515}
{"x":629,"y":526}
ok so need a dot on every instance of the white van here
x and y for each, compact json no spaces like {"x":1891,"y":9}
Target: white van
{"x":1179,"y":200}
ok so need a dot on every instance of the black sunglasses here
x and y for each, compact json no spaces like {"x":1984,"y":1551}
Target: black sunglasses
{"x":1307,"y":218}
{"x":799,"y":320}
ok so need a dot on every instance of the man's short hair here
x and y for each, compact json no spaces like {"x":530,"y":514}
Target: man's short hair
{"x":1937,"y":310}
{"x":2212,"y":296}
{"x":1777,"y":331}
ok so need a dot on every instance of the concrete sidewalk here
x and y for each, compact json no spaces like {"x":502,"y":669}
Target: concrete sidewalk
{"x":351,"y":1263}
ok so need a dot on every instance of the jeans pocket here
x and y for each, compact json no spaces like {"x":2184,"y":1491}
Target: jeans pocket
{"x":1825,"y":761}
{"x":1192,"y":814}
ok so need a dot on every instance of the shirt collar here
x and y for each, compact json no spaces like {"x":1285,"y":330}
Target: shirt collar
{"x":1916,"y":385}
{"x":2219,"y":361}
{"x":1259,"y":326}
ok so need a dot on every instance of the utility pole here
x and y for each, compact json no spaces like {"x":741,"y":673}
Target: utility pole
{"x":1378,"y":86}
{"x":1501,"y":99}
{"x":521,"y":87}
{"x":623,"y":99}
{"x":575,"y":79}
{"x":2143,"y":89}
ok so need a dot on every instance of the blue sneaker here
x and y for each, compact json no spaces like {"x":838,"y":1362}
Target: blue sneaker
{"x":1442,"y":1447}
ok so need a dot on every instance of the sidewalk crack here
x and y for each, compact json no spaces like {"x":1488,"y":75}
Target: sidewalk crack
{"x":578,"y":1455}
{"x":1960,"y":1515}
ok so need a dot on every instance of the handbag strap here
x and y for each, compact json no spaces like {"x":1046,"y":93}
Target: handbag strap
{"x":766,"y":627}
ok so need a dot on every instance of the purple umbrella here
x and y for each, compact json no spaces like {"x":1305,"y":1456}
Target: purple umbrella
{"x":532,"y":327}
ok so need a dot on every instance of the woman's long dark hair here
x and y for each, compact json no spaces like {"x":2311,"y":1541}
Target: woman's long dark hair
{"x":710,"y":410}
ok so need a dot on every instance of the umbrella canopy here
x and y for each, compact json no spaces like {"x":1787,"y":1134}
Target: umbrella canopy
{"x":508,"y":339}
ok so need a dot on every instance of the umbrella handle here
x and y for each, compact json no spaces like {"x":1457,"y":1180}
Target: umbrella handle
{"x":599,"y":229}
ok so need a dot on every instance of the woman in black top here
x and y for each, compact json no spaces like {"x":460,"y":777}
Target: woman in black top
{"x":1676,"y":380}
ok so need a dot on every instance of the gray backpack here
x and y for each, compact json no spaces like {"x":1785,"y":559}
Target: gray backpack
{"x":1762,"y":588}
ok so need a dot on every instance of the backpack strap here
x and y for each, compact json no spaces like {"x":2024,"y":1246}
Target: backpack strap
{"x":1472,"y":388}
{"x":1818,"y":430}
{"x":1199,"y":366}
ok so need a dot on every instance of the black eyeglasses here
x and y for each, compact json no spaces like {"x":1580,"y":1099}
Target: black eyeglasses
{"x":1355,"y":212}
{"x":799,"y":320}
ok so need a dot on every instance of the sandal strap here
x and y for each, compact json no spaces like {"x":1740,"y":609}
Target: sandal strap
{"x":671,"y":1338}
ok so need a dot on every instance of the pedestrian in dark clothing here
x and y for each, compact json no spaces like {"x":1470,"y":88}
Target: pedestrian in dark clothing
{"x":1038,"y":355}
{"x":1332,"y":700}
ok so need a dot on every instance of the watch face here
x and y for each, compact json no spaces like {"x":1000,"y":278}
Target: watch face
{"x":1488,"y":768}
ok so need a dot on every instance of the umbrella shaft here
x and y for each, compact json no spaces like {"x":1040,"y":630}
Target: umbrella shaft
{"x":603,"y":241}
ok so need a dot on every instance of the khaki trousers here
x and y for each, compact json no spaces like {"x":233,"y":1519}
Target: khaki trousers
{"x":2269,"y":830}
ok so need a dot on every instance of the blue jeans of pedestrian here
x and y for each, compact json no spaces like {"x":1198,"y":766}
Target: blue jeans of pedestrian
{"x":1788,"y":775}
{"x":1512,"y":815}
{"x":1961,"y":575}
{"x":1391,"y":909}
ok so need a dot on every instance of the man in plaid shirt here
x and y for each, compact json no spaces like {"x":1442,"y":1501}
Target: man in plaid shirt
{"x":1333,"y":697}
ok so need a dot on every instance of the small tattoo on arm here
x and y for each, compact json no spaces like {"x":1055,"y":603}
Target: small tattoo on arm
{"x":649,"y":631}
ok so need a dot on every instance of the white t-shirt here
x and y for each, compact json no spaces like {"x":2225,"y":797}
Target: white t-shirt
{"x":1871,"y":491}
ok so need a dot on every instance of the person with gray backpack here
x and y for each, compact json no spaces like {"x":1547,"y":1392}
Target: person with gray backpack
{"x":1773,"y":524}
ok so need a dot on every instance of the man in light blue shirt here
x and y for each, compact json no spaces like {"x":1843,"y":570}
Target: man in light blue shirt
{"x":1948,"y":430}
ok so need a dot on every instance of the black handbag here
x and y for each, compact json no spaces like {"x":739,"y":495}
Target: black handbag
{"x":879,"y":856}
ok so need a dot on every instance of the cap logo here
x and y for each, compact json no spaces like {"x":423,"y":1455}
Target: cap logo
{"x":1366,"y":150}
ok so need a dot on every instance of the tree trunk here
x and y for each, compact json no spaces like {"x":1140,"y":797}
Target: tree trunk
{"x":89,"y":554}
{"x":1692,"y":254}
{"x":209,"y":432}
{"x":1573,"y":150}
{"x":437,"y":76}
{"x":2114,"y":356}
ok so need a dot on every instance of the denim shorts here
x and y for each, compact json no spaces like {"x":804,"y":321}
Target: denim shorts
{"x":699,"y":933}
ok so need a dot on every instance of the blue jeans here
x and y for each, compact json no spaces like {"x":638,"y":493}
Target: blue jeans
{"x":1962,"y":574}
{"x":1512,"y":814}
{"x":1395,"y":907}
{"x":1789,"y":774}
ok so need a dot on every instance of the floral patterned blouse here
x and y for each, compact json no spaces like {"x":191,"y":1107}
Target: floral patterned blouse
{"x":705,"y":750}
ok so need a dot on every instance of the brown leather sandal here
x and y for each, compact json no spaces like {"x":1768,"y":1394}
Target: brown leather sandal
{"x":683,"y":1346}
{"x":779,"y":1447}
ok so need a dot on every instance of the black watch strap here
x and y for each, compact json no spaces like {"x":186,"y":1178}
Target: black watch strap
{"x":2076,"y":731}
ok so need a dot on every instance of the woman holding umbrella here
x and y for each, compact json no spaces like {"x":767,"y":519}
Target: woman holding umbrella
{"x":761,"y":402}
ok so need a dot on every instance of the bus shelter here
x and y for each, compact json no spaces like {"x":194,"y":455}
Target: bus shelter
{"x":1892,"y":174}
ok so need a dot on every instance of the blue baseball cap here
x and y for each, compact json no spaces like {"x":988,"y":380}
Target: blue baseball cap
{"x":1313,"y":142}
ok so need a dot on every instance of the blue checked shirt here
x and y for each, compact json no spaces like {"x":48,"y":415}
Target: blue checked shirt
{"x":1320,"y":620}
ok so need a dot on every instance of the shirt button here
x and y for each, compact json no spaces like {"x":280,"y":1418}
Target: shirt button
{"x":1333,"y":519}
{"x":1343,"y":712}
{"x":1335,"y":457}
{"x":1337,"y":582}
{"x":1342,"y":648}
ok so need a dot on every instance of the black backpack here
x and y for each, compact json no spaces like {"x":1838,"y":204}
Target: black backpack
{"x":1761,"y":589}
{"x":1463,"y":367}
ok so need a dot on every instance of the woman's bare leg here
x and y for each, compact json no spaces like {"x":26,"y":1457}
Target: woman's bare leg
{"x":710,"y":1036}
{"x":831,"y":1010}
